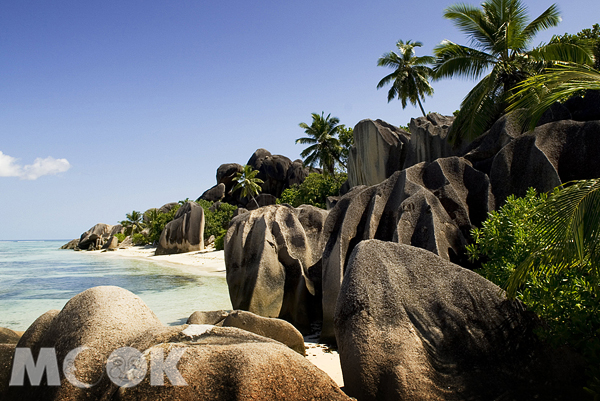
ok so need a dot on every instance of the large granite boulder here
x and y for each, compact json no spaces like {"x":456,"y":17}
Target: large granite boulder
{"x":273,"y":261}
{"x":226,"y":363}
{"x":428,"y":139}
{"x":71,"y":244}
{"x":185,"y":233}
{"x":552,"y":154}
{"x":102,"y":319}
{"x":167,"y":207}
{"x":379,"y":150}
{"x":413,"y":326}
{"x":95,"y":237}
{"x":272,"y":169}
{"x":276,"y":329}
{"x":430,"y":205}
{"x":297,"y":173}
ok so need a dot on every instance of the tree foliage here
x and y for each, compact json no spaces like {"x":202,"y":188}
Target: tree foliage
{"x":410,"y":79}
{"x":346,"y":139}
{"x":247,"y":182}
{"x":216,"y":218}
{"x":314,"y":190}
{"x":133,"y":223}
{"x":324,"y":149}
{"x":500,"y":35}
{"x":587,"y":37}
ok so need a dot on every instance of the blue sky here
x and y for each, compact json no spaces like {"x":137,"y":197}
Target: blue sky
{"x":107,"y":107}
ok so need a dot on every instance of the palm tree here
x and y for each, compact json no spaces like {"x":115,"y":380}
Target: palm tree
{"x":500,"y":36}
{"x":568,"y":234}
{"x":325,"y":148}
{"x":411,"y":74}
{"x":247,"y":182}
{"x":133,"y":223}
{"x":536,"y":94}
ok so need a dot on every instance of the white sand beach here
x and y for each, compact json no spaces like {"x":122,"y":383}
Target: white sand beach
{"x":212,"y":262}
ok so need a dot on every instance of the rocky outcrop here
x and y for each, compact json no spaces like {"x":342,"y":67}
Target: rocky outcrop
{"x":552,"y":154}
{"x":379,"y":150}
{"x":185,"y":233}
{"x":261,"y":200}
{"x":213,"y":363}
{"x":428,"y":139}
{"x":276,"y":329}
{"x":430,"y":205}
{"x":214,"y":194}
{"x":277,"y":171}
{"x":226,"y":363}
{"x":208,"y":317}
{"x":413,"y":326}
{"x":71,"y":244}
{"x":96,"y":237}
{"x":273,"y":257}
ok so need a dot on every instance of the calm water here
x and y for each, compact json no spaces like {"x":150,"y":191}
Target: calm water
{"x":36,"y":276}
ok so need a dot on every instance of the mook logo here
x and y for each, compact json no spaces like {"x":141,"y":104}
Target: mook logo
{"x":125,"y":367}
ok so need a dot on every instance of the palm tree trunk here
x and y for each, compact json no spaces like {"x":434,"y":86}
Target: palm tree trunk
{"x":421,"y":106}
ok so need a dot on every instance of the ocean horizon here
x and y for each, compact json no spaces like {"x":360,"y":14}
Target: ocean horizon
{"x":36,"y":276}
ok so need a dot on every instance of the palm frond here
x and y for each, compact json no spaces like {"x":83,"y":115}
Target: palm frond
{"x":453,"y":59}
{"x":547,"y":19}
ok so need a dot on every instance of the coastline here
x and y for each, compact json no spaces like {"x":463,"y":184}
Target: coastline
{"x":212,"y":262}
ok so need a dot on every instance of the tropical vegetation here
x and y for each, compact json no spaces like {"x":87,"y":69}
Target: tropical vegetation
{"x":500,"y":36}
{"x":411,"y":75}
{"x":325,"y":149}
{"x":314,"y":190}
{"x":133,"y":222}
{"x":545,"y":249}
{"x":247,"y":182}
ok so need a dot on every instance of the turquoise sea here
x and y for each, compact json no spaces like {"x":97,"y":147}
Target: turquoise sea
{"x":36,"y":276}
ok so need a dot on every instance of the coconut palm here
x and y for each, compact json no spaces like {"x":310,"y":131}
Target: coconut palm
{"x":134,"y":222}
{"x":536,"y":94}
{"x":410,"y":79}
{"x":324,"y":147}
{"x":247,"y":182}
{"x":568,"y":234}
{"x":500,"y":37}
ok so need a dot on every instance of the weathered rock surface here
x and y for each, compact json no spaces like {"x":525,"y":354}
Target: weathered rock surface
{"x":275,"y":172}
{"x":552,"y":154}
{"x":430,"y":205}
{"x":101,"y":318}
{"x":7,"y":352}
{"x":71,"y":244}
{"x":227,"y":363}
{"x":428,"y":139}
{"x":185,"y":233}
{"x":276,"y":329}
{"x":8,"y":336}
{"x":215,"y":193}
{"x":413,"y":326}
{"x":95,"y":237}
{"x":379,"y":150}
{"x":208,"y":317}
{"x":166,"y":208}
{"x":261,"y":200}
{"x":273,"y":257}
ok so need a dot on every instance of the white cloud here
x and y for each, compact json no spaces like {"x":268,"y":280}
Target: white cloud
{"x":40,"y":167}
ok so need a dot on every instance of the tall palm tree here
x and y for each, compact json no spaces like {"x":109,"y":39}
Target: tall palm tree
{"x":568,"y":234}
{"x":247,"y":182}
{"x":410,"y":79}
{"x":133,"y":223}
{"x":324,"y":147}
{"x":500,"y":36}
{"x":536,"y":94}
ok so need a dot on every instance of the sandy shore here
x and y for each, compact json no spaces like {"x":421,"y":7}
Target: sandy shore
{"x":212,"y":262}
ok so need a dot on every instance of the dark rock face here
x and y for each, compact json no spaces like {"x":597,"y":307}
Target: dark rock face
{"x":273,"y":257}
{"x":586,"y":108}
{"x":430,"y":205}
{"x":214,"y":194}
{"x":379,"y":150}
{"x":428,"y":139}
{"x":166,"y":208}
{"x":227,"y":363}
{"x":95,"y":237}
{"x":261,"y":200}
{"x":272,"y":169}
{"x":413,"y":326}
{"x":552,"y":154}
{"x":185,"y":233}
{"x":71,"y":244}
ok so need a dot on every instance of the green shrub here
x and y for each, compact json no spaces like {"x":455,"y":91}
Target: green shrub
{"x":120,"y":237}
{"x":313,"y":191}
{"x":567,"y":302}
{"x":157,"y":222}
{"x":218,"y":221}
{"x":139,"y":239}
{"x":220,"y":241}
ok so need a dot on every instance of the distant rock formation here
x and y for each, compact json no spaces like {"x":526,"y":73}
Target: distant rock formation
{"x":95,"y":238}
{"x":379,"y":150}
{"x":273,"y":257}
{"x":185,"y":233}
{"x":413,"y":326}
{"x":428,"y":139}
